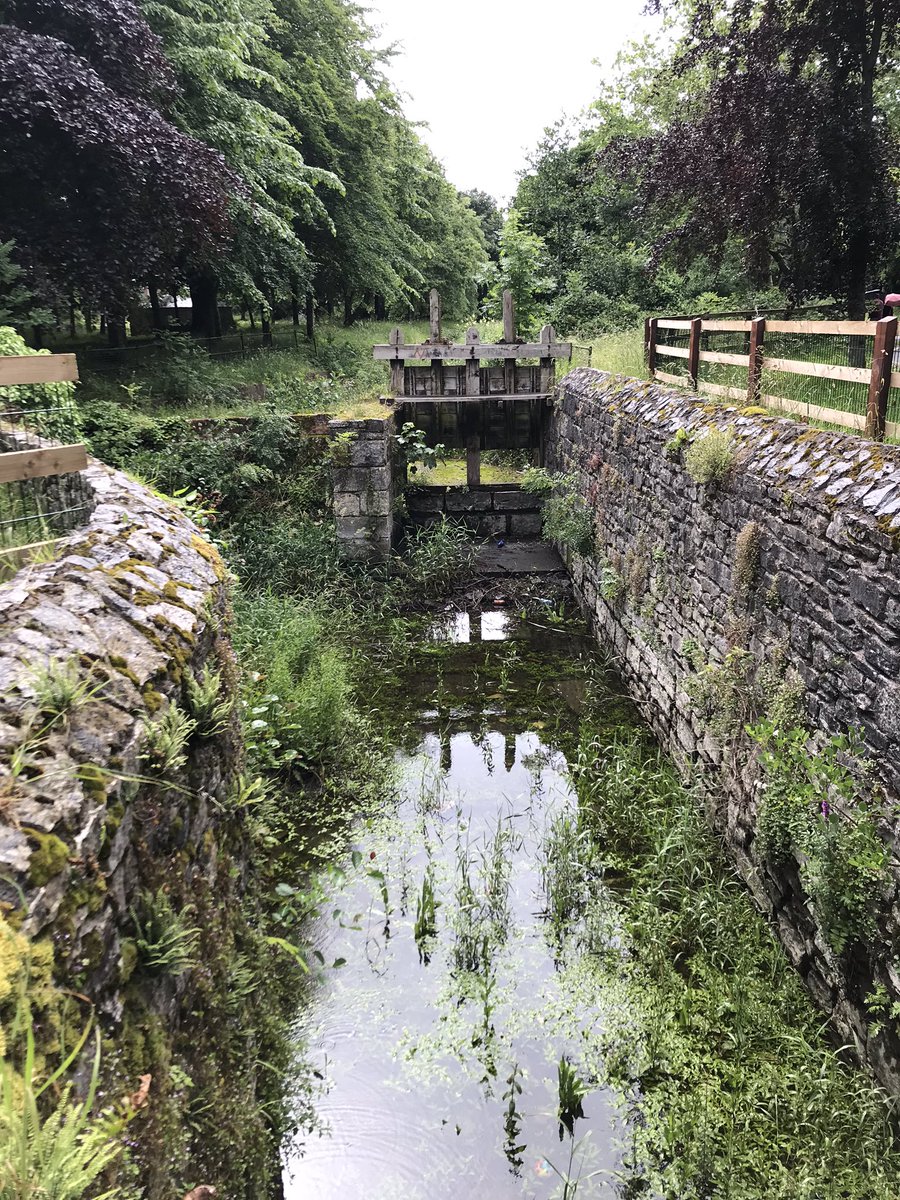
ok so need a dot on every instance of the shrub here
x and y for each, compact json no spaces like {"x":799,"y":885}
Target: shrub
{"x":709,"y":458}
{"x":567,"y":520}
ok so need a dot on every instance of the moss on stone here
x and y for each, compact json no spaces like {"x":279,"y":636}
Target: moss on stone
{"x":49,"y":858}
{"x":153,"y":699}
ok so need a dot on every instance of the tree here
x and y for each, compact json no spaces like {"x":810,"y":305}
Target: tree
{"x":786,"y":146}
{"x":522,"y":270}
{"x":489,"y":217}
{"x":98,"y":190}
{"x":222,"y":59}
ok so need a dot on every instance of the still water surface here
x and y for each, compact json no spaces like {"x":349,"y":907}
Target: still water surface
{"x":439,"y":1055}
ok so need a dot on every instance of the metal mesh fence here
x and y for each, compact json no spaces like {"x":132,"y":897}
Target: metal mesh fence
{"x":38,"y":417}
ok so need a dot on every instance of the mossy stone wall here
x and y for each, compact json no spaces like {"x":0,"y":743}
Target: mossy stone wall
{"x":792,"y":555}
{"x":134,"y":607}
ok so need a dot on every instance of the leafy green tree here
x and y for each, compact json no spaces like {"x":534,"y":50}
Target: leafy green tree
{"x":219,"y":54}
{"x":522,"y":270}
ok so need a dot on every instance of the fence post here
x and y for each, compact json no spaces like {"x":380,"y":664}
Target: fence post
{"x":880,"y":385}
{"x":694,"y":351}
{"x":397,"y":373}
{"x":757,"y":349}
{"x":650,"y":330}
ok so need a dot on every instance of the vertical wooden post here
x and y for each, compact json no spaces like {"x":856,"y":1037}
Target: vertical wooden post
{"x":473,"y":460}
{"x":509,"y":318}
{"x":548,"y":336}
{"x":473,"y":365}
{"x":650,"y":330}
{"x":880,"y":385}
{"x":756,"y":351}
{"x":694,"y":352}
{"x":509,"y":336}
{"x":397,"y":380}
{"x":434,"y":315}
{"x":434,"y":334}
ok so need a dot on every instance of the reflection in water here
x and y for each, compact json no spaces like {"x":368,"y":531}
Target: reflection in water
{"x":464,"y":627}
{"x":441,"y":1049}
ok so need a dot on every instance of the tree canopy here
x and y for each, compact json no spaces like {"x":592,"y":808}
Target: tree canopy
{"x":252,"y":149}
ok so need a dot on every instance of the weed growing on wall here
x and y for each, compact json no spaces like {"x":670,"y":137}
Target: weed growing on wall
{"x":746,"y":563}
{"x":709,"y":457}
{"x":567,"y":520}
{"x":812,"y":811}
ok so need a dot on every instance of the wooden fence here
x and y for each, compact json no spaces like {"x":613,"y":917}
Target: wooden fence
{"x":854,"y":392}
{"x":28,"y":456}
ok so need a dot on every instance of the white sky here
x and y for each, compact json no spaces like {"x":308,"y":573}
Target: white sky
{"x":487,"y":76}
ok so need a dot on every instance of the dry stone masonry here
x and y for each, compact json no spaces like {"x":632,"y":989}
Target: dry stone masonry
{"x":131,"y":609}
{"x":792,"y":556}
{"x":363,"y":482}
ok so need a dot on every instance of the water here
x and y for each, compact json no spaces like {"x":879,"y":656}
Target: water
{"x":439,"y":1054}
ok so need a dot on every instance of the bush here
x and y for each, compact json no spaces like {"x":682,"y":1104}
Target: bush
{"x":709,"y":458}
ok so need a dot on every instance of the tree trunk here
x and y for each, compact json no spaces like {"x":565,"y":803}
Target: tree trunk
{"x":158,"y":320}
{"x":72,"y":328}
{"x":295,"y":309}
{"x":115,"y":330}
{"x":348,"y":309}
{"x":266,"y":323}
{"x":37,"y":337}
{"x":380,"y":307}
{"x":250,"y":317}
{"x":205,"y":306}
{"x":310,"y":316}
{"x":88,"y":313}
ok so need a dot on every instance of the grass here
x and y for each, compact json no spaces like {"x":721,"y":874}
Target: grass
{"x":452,"y":472}
{"x":736,"y":1091}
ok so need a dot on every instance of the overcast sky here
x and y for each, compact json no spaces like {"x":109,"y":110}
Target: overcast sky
{"x":487,"y":76}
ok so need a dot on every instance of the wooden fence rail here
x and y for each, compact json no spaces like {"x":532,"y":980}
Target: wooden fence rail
{"x":878,"y":375}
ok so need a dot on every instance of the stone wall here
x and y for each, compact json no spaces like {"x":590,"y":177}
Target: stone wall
{"x":785,"y":573}
{"x":363,"y":479}
{"x":119,"y":816}
{"x":490,"y":509}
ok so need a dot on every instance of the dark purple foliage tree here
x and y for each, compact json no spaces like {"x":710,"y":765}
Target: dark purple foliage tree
{"x":97,"y":189}
{"x":783,"y":146}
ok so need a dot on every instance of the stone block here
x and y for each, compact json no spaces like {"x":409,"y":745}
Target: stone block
{"x":430,"y":500}
{"x":525,"y":525}
{"x":368,"y":452}
{"x":346,"y":504}
{"x":515,"y":500}
{"x":460,"y":501}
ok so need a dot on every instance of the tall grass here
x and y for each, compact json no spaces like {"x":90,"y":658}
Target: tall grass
{"x":740,"y":1094}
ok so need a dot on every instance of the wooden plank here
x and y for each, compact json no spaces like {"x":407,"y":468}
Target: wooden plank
{"x":816,"y":412}
{"x":721,"y":389}
{"x":493,"y":397}
{"x":481,"y":350}
{"x":793,"y":366}
{"x":397,"y":377}
{"x":37,"y":368}
{"x":509,"y":317}
{"x":694,"y":351}
{"x":726,"y":326}
{"x":651,"y":325}
{"x":880,"y":382}
{"x":434,"y":315}
{"x":728,"y":360}
{"x":847,"y":328}
{"x":672,"y":324}
{"x":547,"y":338}
{"x":36,"y":464}
{"x":680,"y":380}
{"x":755,"y":359}
{"x":673,"y":351}
{"x":473,"y":374}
